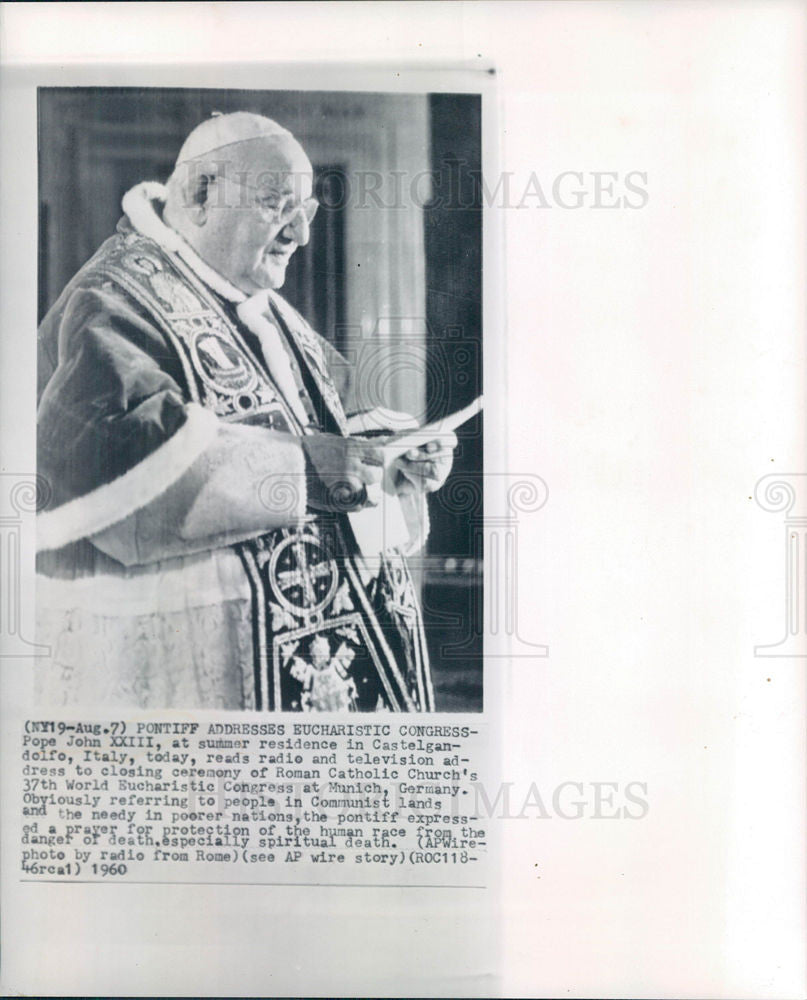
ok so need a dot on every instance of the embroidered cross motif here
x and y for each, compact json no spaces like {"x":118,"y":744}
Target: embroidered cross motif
{"x":303,"y":576}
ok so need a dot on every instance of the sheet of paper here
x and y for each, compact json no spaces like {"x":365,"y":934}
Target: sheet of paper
{"x":400,"y":443}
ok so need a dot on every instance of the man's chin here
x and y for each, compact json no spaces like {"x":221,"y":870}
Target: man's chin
{"x":272,"y":272}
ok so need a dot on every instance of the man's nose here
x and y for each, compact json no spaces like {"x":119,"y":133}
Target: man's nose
{"x":298,"y":228}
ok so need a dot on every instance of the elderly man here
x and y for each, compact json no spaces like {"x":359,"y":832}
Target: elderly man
{"x":198,"y":549}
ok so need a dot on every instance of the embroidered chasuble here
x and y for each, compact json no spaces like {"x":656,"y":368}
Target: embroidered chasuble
{"x":158,"y":400}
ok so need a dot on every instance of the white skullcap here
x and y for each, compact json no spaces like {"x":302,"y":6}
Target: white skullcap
{"x":225,"y":130}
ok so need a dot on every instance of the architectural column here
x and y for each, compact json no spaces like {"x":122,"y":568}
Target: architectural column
{"x":20,"y":497}
{"x":788,"y":494}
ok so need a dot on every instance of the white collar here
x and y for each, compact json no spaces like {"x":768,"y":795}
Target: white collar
{"x":138,"y":204}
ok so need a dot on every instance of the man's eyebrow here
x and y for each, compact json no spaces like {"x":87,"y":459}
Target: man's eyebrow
{"x":273,"y":190}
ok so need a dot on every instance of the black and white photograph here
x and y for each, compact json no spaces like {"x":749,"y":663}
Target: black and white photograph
{"x":403,"y":501}
{"x":259,"y":400}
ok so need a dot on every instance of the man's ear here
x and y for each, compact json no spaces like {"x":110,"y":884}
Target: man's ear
{"x":197,"y":193}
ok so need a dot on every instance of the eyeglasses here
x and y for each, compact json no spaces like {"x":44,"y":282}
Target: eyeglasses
{"x":282,"y":209}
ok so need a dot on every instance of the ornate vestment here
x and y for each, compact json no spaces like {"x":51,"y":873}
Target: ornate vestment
{"x":144,"y":371}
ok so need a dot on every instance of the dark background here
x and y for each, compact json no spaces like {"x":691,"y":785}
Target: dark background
{"x":96,"y":143}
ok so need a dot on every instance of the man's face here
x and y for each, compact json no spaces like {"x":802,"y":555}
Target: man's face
{"x":258,"y":212}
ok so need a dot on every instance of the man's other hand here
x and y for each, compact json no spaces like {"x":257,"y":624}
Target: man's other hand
{"x":344,"y":473}
{"x":425,"y":469}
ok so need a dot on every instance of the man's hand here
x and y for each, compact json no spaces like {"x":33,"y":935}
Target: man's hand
{"x":344,"y":472}
{"x":425,"y":469}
